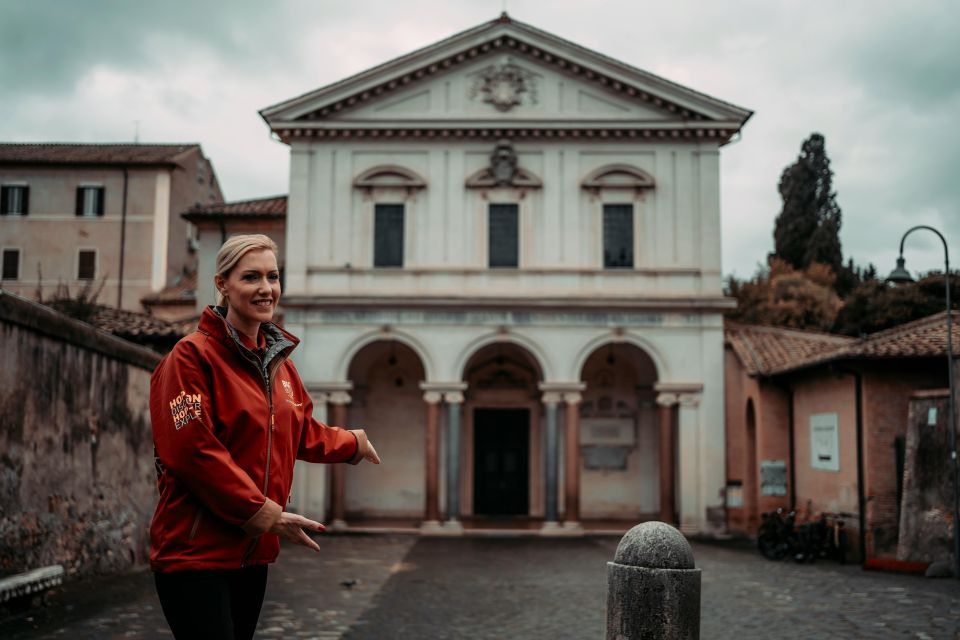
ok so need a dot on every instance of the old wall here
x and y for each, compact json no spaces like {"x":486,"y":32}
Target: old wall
{"x":925,"y":531}
{"x":887,"y":389}
{"x":76,"y":464}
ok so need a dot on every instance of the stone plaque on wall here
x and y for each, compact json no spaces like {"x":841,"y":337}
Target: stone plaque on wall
{"x":605,"y":458}
{"x":608,"y":432}
{"x":773,"y":478}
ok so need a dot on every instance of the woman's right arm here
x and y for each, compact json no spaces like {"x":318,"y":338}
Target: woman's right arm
{"x":189,"y":450}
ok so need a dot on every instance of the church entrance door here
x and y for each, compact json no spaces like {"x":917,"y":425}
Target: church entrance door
{"x":501,"y":439}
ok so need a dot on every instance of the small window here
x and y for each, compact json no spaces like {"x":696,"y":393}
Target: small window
{"x":11,"y":264}
{"x":388,"y":235}
{"x":14,"y":200}
{"x":89,"y":201}
{"x":504,"y":247}
{"x":87,"y":264}
{"x":617,"y":236}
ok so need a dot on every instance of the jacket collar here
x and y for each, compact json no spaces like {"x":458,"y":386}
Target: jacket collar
{"x":213,"y":322}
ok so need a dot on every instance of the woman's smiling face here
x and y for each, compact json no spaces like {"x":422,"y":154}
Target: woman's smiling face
{"x":252,"y":289}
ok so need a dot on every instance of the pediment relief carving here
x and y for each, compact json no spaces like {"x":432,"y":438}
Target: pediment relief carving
{"x":504,"y":85}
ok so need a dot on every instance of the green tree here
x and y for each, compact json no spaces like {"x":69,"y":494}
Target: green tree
{"x":874,"y":305}
{"x":808,"y":226}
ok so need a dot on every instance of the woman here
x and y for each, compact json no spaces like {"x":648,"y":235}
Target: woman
{"x":230,"y":415}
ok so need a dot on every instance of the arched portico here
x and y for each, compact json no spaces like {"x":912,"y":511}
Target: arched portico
{"x":501,"y":452}
{"x":621,"y":460}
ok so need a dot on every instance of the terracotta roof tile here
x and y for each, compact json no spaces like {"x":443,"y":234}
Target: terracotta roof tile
{"x":272,"y":207}
{"x":764,"y":350}
{"x":926,"y":337}
{"x":70,"y":153}
{"x":133,"y":325}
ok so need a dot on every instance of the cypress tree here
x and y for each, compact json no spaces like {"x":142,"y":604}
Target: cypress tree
{"x":808,"y":227}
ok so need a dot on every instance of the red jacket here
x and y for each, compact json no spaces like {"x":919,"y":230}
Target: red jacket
{"x":228,"y":423}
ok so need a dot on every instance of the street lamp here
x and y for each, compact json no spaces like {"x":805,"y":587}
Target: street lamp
{"x":901,"y":275}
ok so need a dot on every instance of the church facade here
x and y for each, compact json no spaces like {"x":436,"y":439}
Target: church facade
{"x":503,"y":258}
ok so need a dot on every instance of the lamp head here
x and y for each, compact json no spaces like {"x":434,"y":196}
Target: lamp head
{"x":900,"y":275}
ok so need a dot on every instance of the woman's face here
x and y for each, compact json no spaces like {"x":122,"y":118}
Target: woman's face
{"x":252,"y":289}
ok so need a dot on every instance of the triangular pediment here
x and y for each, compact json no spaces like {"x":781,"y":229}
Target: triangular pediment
{"x":504,"y":73}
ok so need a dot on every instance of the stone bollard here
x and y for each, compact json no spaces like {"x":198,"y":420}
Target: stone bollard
{"x":653,"y":589}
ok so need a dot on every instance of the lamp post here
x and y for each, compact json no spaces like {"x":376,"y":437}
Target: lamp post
{"x":901,"y":275}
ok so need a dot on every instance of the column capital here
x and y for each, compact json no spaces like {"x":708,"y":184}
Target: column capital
{"x":320,"y":397}
{"x":552,"y":397}
{"x":453,"y":397}
{"x":443,"y":387}
{"x":689,"y":399}
{"x":339,"y":397}
{"x":572,"y":397}
{"x":667,"y":399}
{"x":432,"y":397}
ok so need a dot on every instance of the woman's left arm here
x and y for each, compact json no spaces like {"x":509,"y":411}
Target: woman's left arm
{"x":322,"y":443}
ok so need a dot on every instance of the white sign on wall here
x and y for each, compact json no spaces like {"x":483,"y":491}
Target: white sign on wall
{"x":824,"y":442}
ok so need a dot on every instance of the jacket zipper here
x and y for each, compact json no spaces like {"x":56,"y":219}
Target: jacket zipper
{"x":267,"y":384}
{"x":196,"y":523}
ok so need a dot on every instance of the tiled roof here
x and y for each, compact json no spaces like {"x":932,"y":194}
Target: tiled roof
{"x":274,"y":208}
{"x":111,"y":154}
{"x":135,"y":326}
{"x":771,"y":351}
{"x":765,"y":350}
{"x":926,"y":337}
{"x":183,"y":291}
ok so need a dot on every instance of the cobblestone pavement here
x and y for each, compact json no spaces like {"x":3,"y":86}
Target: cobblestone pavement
{"x":407,"y":587}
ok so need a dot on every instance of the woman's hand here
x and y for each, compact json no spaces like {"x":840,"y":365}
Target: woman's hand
{"x":290,"y":526}
{"x":370,"y":453}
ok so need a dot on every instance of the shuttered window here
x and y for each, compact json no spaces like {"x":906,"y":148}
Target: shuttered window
{"x":388,"y":235}
{"x":504,"y":245}
{"x":617,"y":236}
{"x":14,"y":200}
{"x":11,"y":264}
{"x":89,"y":201}
{"x":86,"y":264}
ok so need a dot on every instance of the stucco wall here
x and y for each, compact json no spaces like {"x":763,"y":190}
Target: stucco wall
{"x":771,"y":441}
{"x":76,"y":470}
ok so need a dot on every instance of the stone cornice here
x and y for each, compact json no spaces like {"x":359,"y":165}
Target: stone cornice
{"x":712,"y":304}
{"x":720,"y":133}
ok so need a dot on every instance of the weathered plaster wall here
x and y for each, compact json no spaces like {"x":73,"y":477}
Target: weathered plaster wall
{"x":76,"y":464}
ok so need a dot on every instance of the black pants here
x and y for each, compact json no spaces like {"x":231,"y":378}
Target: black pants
{"x":212,"y":605}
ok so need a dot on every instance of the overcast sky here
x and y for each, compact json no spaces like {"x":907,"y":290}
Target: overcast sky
{"x":880,"y":79}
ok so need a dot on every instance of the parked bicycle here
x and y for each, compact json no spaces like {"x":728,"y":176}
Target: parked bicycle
{"x":779,"y":536}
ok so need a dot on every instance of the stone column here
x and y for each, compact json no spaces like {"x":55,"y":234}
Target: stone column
{"x":454,"y":400}
{"x":431,"y":515}
{"x":338,"y":402}
{"x":692,"y":500}
{"x":571,"y":517}
{"x":667,"y":411}
{"x":551,"y":402}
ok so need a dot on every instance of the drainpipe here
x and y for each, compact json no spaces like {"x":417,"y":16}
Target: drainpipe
{"x":861,"y":493}
{"x":123,"y":238}
{"x":792,"y":454}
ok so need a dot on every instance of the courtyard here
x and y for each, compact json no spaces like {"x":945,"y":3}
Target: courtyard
{"x":404,"y":586}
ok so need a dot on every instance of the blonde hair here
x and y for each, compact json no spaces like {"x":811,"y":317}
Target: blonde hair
{"x":235,"y":248}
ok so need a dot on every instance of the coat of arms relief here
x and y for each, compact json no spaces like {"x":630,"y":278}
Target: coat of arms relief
{"x":505,"y":85}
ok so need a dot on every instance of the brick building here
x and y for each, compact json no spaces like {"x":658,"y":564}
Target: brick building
{"x":821,"y":420}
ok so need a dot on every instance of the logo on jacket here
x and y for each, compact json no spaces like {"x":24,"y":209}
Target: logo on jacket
{"x":289,"y":389}
{"x":184,"y":408}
